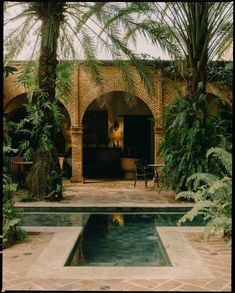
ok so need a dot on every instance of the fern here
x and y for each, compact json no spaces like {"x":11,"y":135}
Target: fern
{"x":199,"y":208}
{"x":198,"y":178}
{"x":223,"y":156}
{"x":212,"y":195}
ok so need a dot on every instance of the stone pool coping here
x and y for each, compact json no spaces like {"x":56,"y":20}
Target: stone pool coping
{"x":187,"y":263}
{"x":122,"y":205}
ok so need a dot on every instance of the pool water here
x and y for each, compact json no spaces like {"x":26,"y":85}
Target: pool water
{"x":119,"y":240}
{"x":75,"y":218}
{"x":57,"y":219}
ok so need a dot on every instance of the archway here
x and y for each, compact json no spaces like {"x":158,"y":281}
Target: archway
{"x":115,"y":131}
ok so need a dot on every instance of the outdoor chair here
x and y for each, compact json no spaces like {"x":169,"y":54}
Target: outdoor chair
{"x":19,"y":169}
{"x":14,"y":169}
{"x":143,"y":171}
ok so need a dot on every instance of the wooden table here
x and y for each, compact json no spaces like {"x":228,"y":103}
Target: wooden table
{"x":21,"y":166}
{"x":156,"y":175}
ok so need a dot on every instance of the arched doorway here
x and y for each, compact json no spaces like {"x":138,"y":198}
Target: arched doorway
{"x":113,"y":131}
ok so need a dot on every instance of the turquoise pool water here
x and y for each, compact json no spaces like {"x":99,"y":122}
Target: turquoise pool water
{"x":119,"y":240}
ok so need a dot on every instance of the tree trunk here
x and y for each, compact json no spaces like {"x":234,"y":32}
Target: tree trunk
{"x":199,"y":55}
{"x":45,"y":176}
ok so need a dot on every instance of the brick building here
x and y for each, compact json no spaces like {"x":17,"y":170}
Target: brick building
{"x":88,"y":127}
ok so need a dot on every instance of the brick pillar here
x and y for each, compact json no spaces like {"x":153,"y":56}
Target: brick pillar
{"x":158,"y":137}
{"x":77,"y":175}
{"x":158,"y":129}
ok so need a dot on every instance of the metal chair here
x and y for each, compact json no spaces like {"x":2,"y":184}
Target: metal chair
{"x":142,"y":171}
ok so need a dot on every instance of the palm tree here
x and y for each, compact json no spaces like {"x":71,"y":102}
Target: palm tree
{"x":56,"y":25}
{"x":198,"y":31}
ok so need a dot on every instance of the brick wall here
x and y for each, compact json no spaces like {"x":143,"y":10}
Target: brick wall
{"x":84,"y":91}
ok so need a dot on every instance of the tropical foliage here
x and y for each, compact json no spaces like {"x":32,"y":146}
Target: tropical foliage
{"x":212,"y":194}
{"x":221,"y":73}
{"x":84,"y":29}
{"x":40,"y":133}
{"x":190,"y":132}
{"x":11,"y":216}
{"x":56,"y":25}
{"x":191,"y":32}
{"x":201,"y":31}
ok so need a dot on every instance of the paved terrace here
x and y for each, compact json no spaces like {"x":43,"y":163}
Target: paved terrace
{"x":38,"y":262}
{"x":112,"y":193}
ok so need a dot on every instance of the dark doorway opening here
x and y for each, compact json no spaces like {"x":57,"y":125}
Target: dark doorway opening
{"x":99,"y":161}
{"x":138,"y":137}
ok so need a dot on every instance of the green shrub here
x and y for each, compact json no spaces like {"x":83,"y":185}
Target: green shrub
{"x":212,"y":194}
{"x":191,"y":129}
{"x":26,"y":197}
{"x":11,"y":222}
{"x":11,"y":215}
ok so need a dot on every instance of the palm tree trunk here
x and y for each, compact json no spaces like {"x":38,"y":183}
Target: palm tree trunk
{"x":45,"y":176}
{"x":199,"y":52}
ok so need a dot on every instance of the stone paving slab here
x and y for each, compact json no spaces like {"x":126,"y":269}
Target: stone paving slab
{"x":183,"y":257}
{"x":209,"y":280}
{"x":202,"y":265}
{"x":111,"y":193}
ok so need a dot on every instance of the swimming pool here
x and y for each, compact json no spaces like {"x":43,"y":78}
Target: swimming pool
{"x":77,"y":216}
{"x":119,"y":240}
{"x":108,"y":238}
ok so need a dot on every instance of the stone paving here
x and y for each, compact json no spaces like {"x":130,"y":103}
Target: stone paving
{"x":20,"y":259}
{"x":100,"y":193}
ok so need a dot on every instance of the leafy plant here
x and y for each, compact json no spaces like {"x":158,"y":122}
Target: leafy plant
{"x":8,"y":187}
{"x":26,"y":197}
{"x":11,"y":222}
{"x":192,"y":128}
{"x":9,"y":70}
{"x":221,"y":73}
{"x":198,"y":32}
{"x":11,"y":216}
{"x":212,"y":194}
{"x":41,"y":132}
{"x":56,"y":26}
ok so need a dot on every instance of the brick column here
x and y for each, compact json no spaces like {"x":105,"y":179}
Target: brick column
{"x":159,"y":101}
{"x":158,"y":129}
{"x":77,"y":175}
{"x":158,"y":137}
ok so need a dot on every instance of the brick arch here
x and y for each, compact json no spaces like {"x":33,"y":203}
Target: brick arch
{"x":114,"y":85}
{"x":12,"y":92}
{"x":18,"y":100}
{"x":170,"y":92}
{"x":221,"y":92}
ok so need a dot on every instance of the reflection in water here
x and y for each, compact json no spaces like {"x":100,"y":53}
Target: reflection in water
{"x":117,"y":219}
{"x":120,"y":240}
